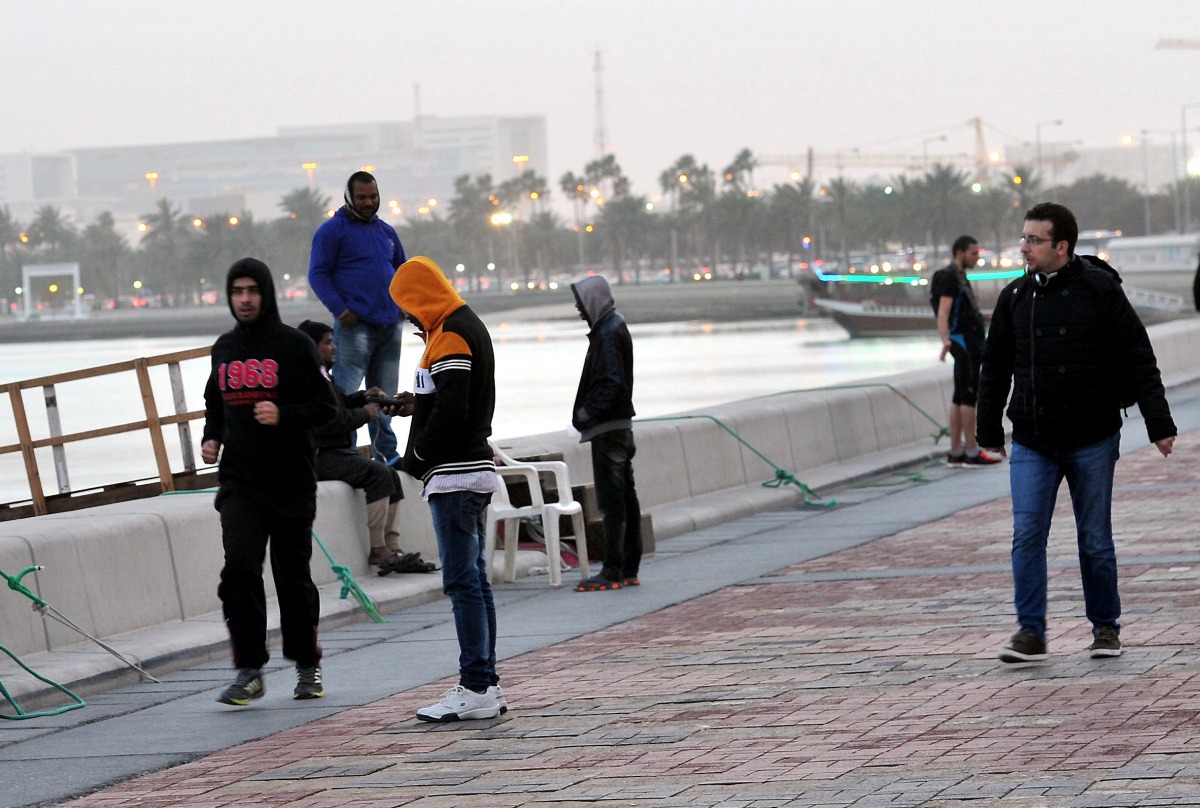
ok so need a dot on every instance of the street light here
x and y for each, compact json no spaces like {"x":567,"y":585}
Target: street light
{"x":310,"y":167}
{"x":925,"y":148}
{"x":152,"y":177}
{"x":1174,"y":171}
{"x":1037,"y":128}
{"x":1187,"y":172}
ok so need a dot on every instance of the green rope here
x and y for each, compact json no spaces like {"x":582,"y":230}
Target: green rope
{"x":942,"y":431}
{"x":782,"y":476}
{"x":349,"y":585}
{"x":14,"y":583}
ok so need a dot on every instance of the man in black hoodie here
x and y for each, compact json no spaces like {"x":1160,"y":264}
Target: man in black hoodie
{"x":603,"y":415}
{"x":266,"y":392}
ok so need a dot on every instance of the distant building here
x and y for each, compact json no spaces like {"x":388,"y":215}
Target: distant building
{"x":414,"y":161}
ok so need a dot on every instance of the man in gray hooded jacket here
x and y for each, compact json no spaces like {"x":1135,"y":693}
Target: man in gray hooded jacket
{"x":603,"y":414}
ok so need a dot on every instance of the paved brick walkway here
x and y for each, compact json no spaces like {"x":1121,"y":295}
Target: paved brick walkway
{"x":864,"y":678}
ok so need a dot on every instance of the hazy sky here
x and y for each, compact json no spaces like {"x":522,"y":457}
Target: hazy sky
{"x":701,"y":77}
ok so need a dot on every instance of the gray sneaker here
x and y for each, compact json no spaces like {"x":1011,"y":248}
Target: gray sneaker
{"x":308,"y":683}
{"x":247,"y":686}
{"x":1106,"y":643}
{"x":1025,"y":646}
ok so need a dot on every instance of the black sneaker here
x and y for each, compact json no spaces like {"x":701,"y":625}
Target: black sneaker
{"x":1106,"y":643}
{"x":246,"y":687}
{"x":308,"y":683}
{"x":954,"y":461}
{"x":1025,"y":646}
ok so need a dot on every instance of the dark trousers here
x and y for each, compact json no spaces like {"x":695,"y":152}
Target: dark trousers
{"x":612,"y":471}
{"x":246,"y":529}
{"x":358,"y":471}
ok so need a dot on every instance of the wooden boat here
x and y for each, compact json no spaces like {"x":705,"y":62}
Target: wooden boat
{"x":871,"y":319}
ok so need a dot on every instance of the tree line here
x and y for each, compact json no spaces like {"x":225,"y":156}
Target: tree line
{"x":505,"y":235}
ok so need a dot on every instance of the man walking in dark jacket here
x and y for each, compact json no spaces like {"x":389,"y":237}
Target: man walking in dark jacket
{"x":603,"y":414}
{"x":1073,"y":349}
{"x":266,"y":391}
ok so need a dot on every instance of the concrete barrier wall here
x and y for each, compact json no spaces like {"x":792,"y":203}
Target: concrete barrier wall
{"x":149,"y":562}
{"x":130,"y":565}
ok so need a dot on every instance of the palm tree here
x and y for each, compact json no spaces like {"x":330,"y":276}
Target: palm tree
{"x":690,"y":186}
{"x":948,"y":194}
{"x":105,"y":256}
{"x":471,"y":207}
{"x":790,"y":208}
{"x":605,"y":172}
{"x":997,"y":209}
{"x":838,"y":195}
{"x":166,"y":225}
{"x":626,"y":227}
{"x":306,"y":206}
{"x":165,"y":243}
{"x":740,"y":173}
{"x":50,"y":228}
{"x":576,"y":190}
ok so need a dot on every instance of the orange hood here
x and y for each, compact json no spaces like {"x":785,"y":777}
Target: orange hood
{"x":421,"y":289}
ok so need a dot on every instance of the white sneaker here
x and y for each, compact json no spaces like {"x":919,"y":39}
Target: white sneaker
{"x":499,"y":694}
{"x":460,"y":704}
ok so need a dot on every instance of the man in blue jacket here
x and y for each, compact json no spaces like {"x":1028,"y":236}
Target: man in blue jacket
{"x":354,"y":256}
{"x":603,"y":414}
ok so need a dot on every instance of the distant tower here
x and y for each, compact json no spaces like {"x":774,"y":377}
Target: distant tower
{"x":601,"y":134}
{"x":417,"y":114}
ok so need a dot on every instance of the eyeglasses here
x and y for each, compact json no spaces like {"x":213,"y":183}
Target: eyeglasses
{"x":1035,"y":241}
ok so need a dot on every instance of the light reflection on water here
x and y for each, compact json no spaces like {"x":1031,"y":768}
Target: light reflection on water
{"x":678,"y":367}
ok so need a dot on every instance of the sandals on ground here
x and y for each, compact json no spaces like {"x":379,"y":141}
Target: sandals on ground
{"x":409,"y":562}
{"x":597,"y":584}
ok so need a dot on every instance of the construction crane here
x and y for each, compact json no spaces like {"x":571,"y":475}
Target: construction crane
{"x":1178,"y":44}
{"x":979,"y":163}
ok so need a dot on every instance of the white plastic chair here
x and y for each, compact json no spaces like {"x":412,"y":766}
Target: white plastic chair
{"x":502,"y":510}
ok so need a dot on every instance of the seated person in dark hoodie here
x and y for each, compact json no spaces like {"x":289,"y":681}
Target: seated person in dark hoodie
{"x":267,"y":391}
{"x":337,"y":459}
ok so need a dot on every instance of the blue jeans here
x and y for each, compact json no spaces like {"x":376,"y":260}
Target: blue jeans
{"x":1035,"y":478}
{"x":458,"y":521}
{"x":370,"y":352}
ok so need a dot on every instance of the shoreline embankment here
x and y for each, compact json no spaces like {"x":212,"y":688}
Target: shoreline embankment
{"x":715,"y":301}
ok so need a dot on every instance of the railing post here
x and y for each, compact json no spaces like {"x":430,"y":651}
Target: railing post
{"x":154,"y":426}
{"x":27,"y":452}
{"x":58,"y":450}
{"x":185,"y":428}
